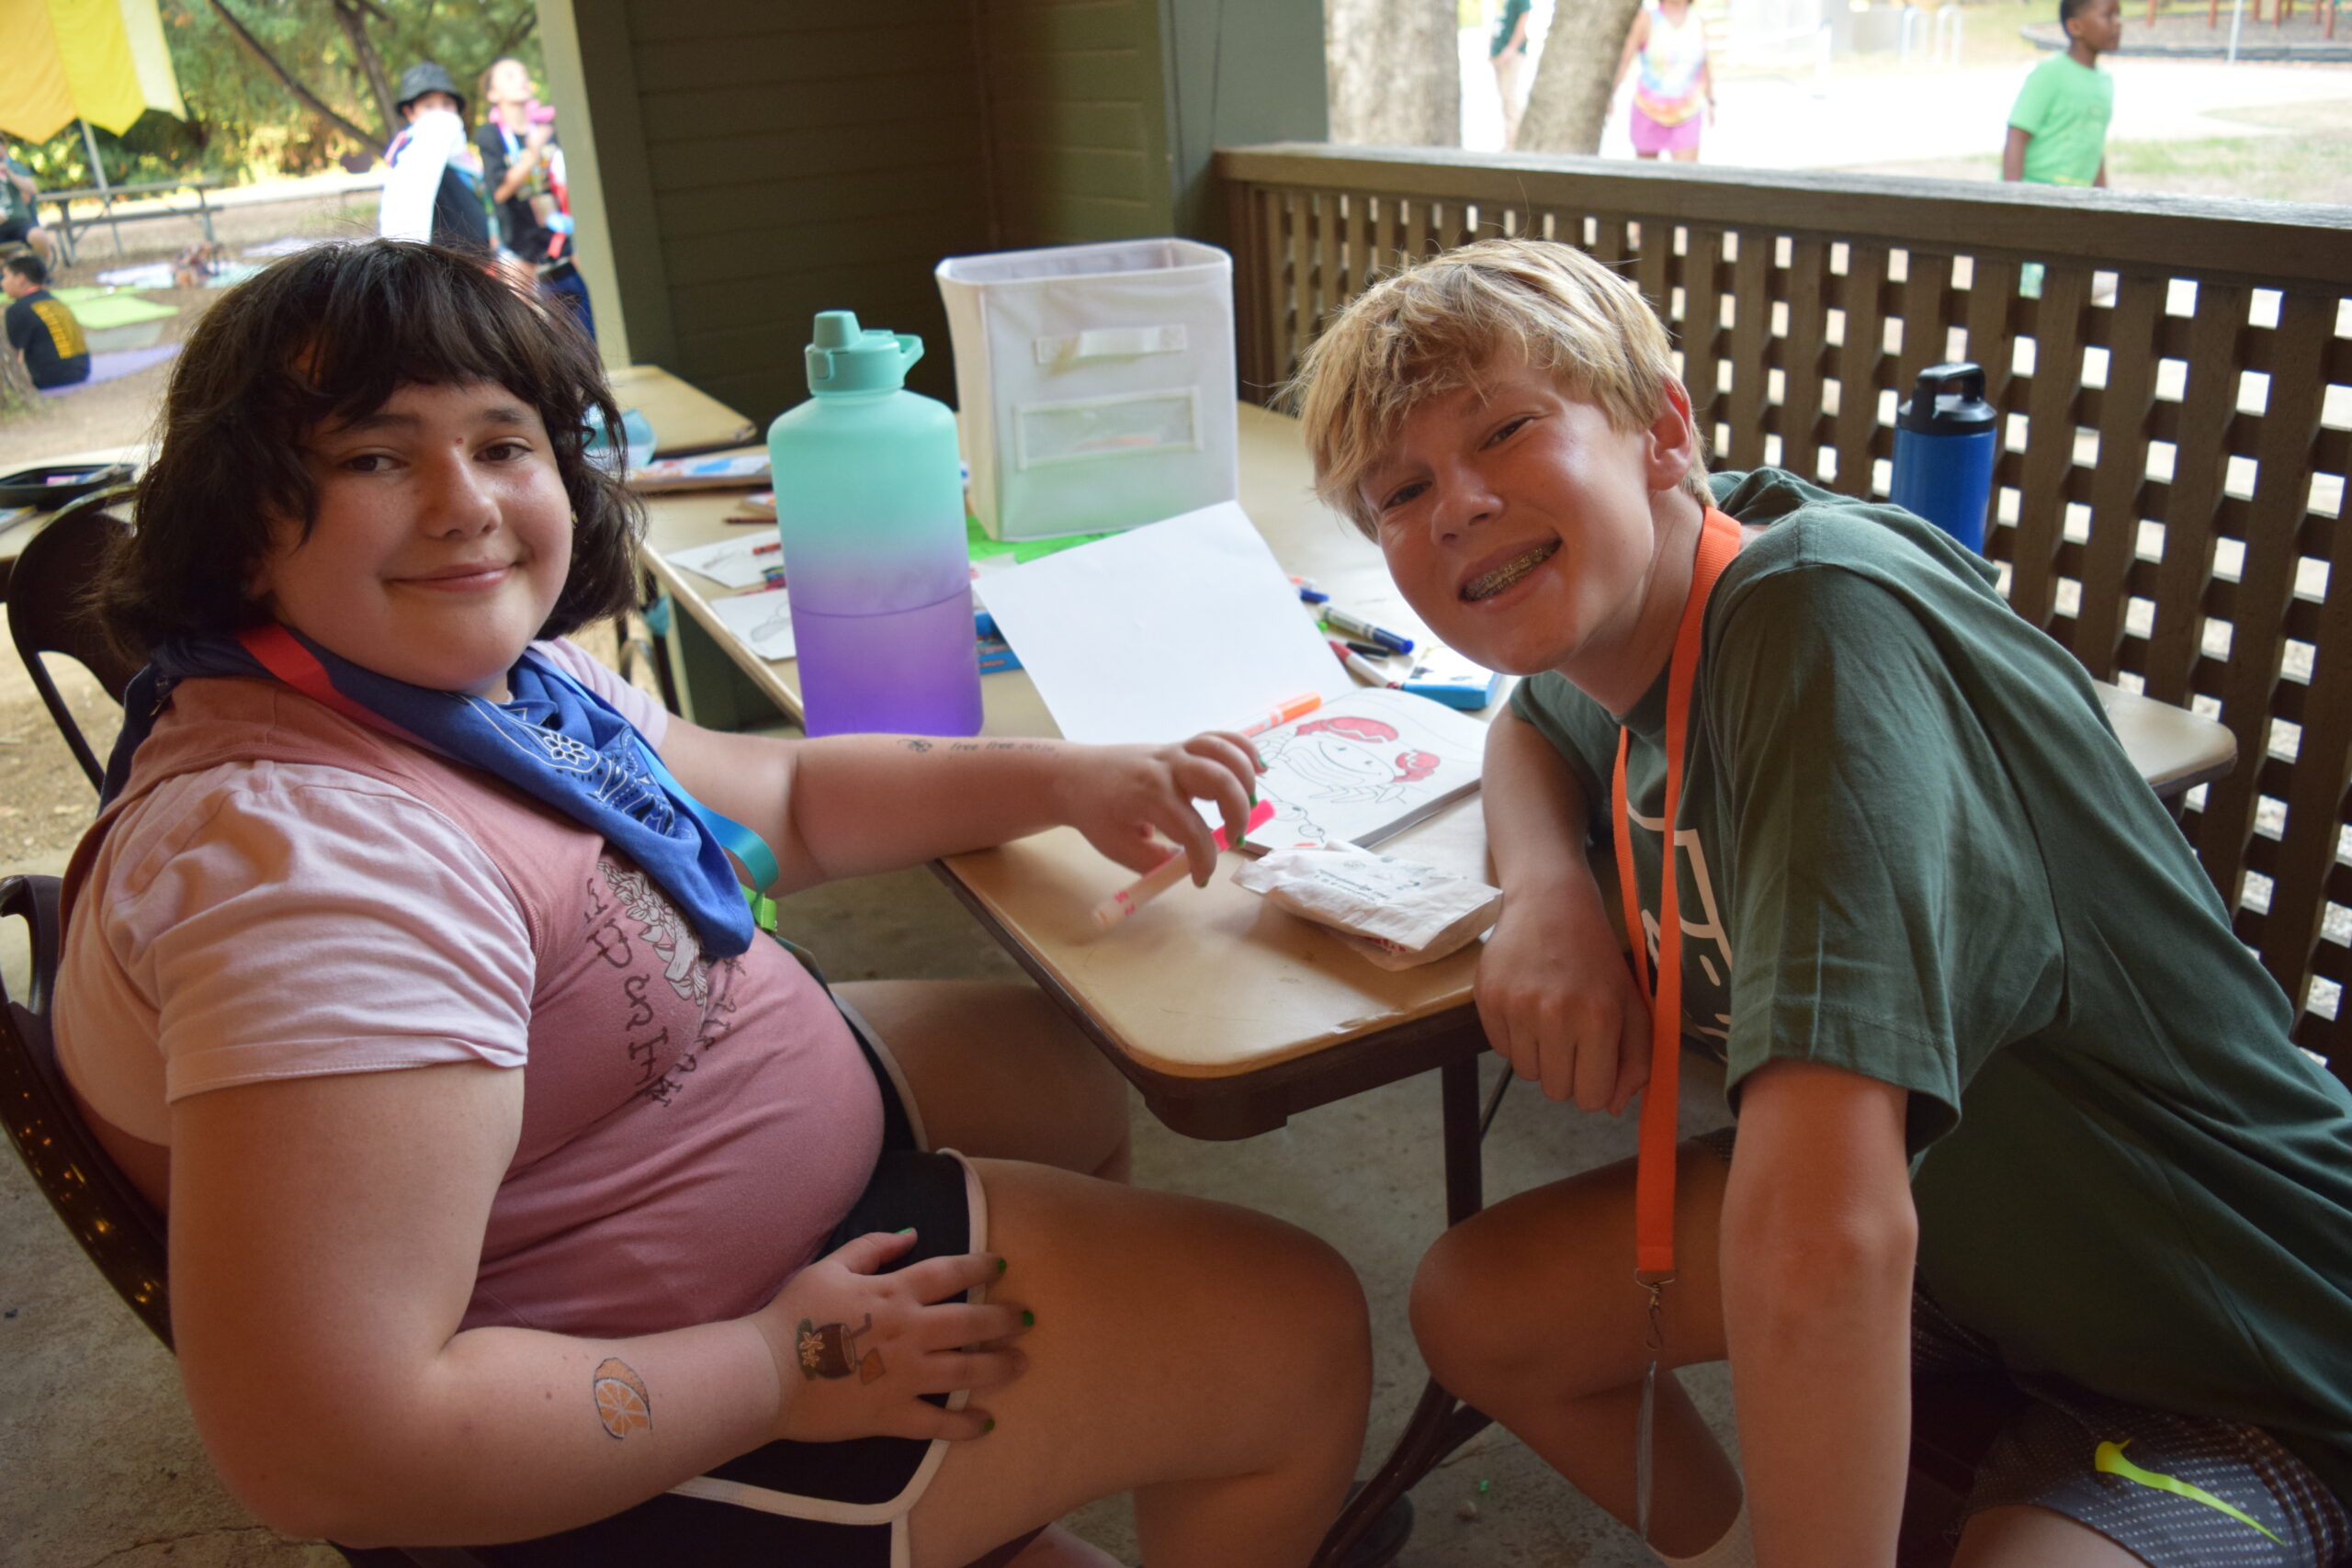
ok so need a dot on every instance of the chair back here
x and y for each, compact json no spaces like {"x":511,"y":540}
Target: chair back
{"x":121,"y":1231}
{"x":45,"y":611}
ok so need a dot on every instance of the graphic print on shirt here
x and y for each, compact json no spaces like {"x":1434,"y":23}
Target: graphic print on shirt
{"x":659,"y":923}
{"x":1706,"y":980}
{"x":638,"y":933}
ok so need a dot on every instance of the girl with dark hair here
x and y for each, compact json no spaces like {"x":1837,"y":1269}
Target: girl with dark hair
{"x":520,"y":1188}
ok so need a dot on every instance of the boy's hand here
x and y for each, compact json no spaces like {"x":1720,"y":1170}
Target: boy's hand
{"x":854,"y":1349}
{"x":1559,"y":1003}
{"x":1129,"y":799}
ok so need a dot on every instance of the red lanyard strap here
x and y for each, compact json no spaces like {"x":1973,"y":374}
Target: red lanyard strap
{"x":1719,"y":540}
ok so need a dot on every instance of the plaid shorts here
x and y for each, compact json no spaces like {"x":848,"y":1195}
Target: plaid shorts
{"x":2174,"y":1491}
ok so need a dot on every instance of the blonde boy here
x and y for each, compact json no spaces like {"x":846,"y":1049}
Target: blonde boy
{"x":2011,"y":1097}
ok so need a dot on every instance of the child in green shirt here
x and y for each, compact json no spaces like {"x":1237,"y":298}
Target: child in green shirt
{"x":2011,"y":1097}
{"x":2058,"y":125}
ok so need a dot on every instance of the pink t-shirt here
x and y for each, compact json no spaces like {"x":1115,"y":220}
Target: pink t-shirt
{"x":282,"y":892}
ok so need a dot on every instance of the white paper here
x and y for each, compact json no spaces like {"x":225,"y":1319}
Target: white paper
{"x":1395,"y":912}
{"x":1365,"y":767}
{"x":763,"y":620}
{"x":1163,"y":631}
{"x":734,"y":563}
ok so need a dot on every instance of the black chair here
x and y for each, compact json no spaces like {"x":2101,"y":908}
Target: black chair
{"x":119,"y":1230}
{"x":46,"y":614}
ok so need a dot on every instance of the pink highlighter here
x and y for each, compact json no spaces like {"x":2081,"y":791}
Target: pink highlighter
{"x":1165,"y":875}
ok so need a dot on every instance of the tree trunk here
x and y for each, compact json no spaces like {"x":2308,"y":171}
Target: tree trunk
{"x":371,"y":65}
{"x":1396,"y":73}
{"x":311,"y":100}
{"x":1569,"y":102}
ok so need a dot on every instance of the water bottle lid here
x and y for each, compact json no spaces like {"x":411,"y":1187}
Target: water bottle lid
{"x":1949,"y":399}
{"x":845,"y":358}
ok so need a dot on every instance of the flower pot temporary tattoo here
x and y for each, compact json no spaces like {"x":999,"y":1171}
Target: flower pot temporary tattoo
{"x":622,"y":1403}
{"x":831,"y":1351}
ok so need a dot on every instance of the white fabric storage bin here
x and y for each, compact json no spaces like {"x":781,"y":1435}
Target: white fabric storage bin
{"x":1094,"y":383}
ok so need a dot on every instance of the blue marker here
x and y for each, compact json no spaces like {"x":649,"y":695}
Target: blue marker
{"x":1339,"y":620}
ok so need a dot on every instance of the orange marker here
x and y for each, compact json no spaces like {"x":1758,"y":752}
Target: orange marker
{"x":1296,"y":707}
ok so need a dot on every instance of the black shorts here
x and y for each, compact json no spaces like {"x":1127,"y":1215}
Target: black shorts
{"x":2174,"y":1491}
{"x":818,"y":1504}
{"x":13,"y":229}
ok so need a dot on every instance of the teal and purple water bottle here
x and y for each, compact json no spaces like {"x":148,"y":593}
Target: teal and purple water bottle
{"x":869,"y":500}
{"x":1946,"y":437}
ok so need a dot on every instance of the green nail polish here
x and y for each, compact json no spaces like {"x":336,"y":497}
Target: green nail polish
{"x":1000,"y":1265}
{"x":988,"y":1426}
{"x":1028,"y":1318}
{"x":907,"y":1230}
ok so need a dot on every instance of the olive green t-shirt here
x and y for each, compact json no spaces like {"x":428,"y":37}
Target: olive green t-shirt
{"x":2064,"y":105}
{"x":1911,"y":847}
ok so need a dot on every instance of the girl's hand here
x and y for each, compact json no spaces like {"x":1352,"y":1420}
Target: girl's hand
{"x":854,"y":1349}
{"x":1559,"y":1003}
{"x":1128,"y":799}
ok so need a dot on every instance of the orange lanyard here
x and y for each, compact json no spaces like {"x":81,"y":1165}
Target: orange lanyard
{"x":1719,"y":540}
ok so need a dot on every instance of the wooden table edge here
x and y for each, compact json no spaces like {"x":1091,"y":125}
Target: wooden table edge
{"x":1260,"y":1095}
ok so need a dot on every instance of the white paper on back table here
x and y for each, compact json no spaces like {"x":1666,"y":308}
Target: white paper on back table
{"x":1162,"y":632}
{"x":763,"y":620}
{"x":733,"y":563}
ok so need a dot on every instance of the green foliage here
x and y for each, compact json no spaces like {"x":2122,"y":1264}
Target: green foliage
{"x":157,"y":148}
{"x":242,"y":122}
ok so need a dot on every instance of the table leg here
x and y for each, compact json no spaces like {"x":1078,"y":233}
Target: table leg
{"x":1440,"y":1423}
{"x":1465,"y":1169}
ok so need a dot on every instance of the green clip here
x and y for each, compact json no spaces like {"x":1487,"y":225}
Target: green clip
{"x":762,"y":909}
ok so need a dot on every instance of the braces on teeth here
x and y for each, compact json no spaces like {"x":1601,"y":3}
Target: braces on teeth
{"x":1510,"y":572}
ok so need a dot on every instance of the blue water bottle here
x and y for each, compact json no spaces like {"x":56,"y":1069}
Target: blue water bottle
{"x":1946,"y":437}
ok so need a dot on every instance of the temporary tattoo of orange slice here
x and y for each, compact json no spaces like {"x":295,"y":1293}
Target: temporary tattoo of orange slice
{"x":622,"y":1403}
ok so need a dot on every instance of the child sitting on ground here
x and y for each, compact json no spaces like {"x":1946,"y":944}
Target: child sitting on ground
{"x":520,"y":1189}
{"x":2011,"y":1095}
{"x":39,"y":326}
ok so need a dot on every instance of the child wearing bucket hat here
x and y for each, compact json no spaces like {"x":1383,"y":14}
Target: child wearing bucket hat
{"x":434,"y":188}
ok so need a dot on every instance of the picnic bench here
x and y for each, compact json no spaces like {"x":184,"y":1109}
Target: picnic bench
{"x":148,"y":200}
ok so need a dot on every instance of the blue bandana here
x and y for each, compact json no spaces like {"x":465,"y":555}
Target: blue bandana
{"x":555,"y":740}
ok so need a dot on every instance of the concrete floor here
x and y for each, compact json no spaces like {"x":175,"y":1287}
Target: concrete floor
{"x":100,"y":1462}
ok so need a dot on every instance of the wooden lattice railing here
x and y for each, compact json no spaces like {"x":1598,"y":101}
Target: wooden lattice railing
{"x":2175,"y":374}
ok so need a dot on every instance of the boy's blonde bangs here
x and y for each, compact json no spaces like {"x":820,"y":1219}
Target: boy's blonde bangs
{"x":1435,"y":328}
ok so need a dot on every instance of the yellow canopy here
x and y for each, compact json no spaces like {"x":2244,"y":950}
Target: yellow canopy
{"x":103,"y":60}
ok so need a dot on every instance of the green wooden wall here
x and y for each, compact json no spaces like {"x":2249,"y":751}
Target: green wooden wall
{"x":1077,"y":119}
{"x":763,"y":160}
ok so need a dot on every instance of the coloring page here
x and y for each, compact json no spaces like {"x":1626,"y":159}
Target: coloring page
{"x":1362,"y":767}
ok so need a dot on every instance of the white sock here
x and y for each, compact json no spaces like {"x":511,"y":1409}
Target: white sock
{"x":1736,"y":1549}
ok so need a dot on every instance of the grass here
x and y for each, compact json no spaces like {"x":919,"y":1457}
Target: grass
{"x":2311,"y":160}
